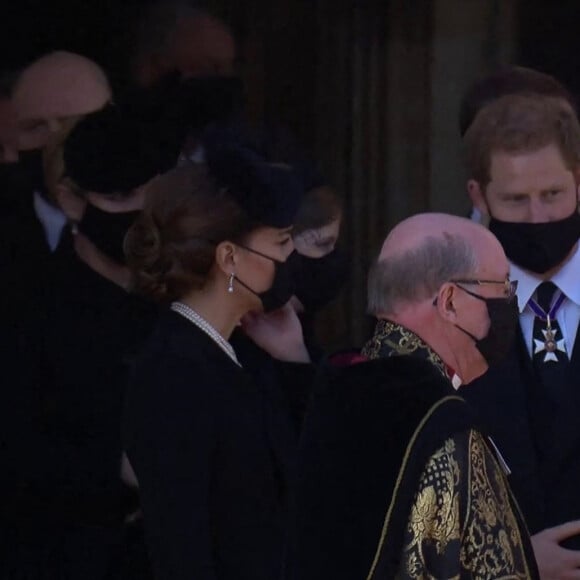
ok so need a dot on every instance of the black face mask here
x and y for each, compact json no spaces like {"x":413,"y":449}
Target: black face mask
{"x":318,"y":281}
{"x":107,"y":230}
{"x":213,"y":99}
{"x":537,"y":247}
{"x":282,"y":288}
{"x":503,"y":318}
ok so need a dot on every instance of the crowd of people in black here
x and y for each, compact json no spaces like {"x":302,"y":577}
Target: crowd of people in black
{"x":103,"y":235}
{"x":164,"y":261}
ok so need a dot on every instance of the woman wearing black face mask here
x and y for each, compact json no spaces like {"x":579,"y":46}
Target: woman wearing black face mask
{"x":211,"y":448}
{"x":318,"y":273}
{"x":323,"y":266}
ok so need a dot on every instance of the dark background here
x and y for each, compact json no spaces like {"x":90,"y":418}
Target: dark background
{"x":371,"y":88}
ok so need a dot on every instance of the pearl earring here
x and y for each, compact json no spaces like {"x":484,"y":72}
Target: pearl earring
{"x":231,"y":284}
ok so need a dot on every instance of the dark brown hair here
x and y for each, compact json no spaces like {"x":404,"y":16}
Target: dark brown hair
{"x":320,"y":206}
{"x":171,"y":247}
{"x":514,"y":80}
{"x":521,"y":124}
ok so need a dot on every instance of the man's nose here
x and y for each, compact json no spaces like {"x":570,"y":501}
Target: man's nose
{"x":538,"y":212}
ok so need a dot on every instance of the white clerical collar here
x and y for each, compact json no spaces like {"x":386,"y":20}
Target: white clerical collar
{"x":52,"y":219}
{"x":456,"y":381}
{"x":195,"y":156}
{"x":567,"y":280}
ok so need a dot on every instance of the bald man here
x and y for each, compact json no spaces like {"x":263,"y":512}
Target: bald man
{"x":394,"y":479}
{"x":65,"y":508}
{"x":48,"y":98}
{"x":53,"y":91}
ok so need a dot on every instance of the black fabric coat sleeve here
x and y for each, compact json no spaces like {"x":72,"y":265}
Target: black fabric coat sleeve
{"x":170,"y":450}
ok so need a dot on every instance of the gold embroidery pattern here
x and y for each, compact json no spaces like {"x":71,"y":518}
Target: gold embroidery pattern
{"x":390,"y":339}
{"x":461,"y":523}
{"x":434,"y":520}
{"x":492,"y":545}
{"x":386,"y":523}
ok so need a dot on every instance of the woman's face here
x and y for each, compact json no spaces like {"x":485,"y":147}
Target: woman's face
{"x":258,"y":269}
{"x":318,"y":242}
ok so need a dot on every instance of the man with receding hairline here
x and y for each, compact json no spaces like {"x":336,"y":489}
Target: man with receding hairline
{"x":53,"y":89}
{"x":395,"y":480}
{"x":49,"y":97}
{"x":42,"y":532}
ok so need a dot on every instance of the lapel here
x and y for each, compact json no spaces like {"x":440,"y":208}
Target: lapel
{"x":575,"y":358}
{"x":568,"y":425}
{"x":558,"y":433}
{"x":265,"y":374}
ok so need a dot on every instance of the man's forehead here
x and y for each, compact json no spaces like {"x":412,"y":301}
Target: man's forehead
{"x":47,"y":102}
{"x":514,"y":163}
{"x":491,"y":259}
{"x":60,"y":85}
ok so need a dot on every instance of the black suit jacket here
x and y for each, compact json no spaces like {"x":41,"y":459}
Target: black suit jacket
{"x":544,"y":456}
{"x":212,"y":450}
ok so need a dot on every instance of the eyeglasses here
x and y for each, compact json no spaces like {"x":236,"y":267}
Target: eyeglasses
{"x":510,"y":286}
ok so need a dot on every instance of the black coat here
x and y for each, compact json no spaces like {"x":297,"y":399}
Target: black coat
{"x":543,"y":458}
{"x":62,"y":501}
{"x":213,"y":452}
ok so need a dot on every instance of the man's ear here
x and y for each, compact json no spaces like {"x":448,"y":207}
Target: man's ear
{"x":445,"y":302}
{"x":225,"y":257}
{"x":477,"y":196}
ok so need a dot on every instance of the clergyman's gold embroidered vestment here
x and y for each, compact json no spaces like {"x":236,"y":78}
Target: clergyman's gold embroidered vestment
{"x":394,"y":479}
{"x":462,"y":522}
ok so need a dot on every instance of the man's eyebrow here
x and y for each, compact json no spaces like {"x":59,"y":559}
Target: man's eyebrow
{"x":512,"y":194}
{"x":27,"y":123}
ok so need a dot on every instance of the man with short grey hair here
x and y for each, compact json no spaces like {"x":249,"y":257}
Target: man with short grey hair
{"x":395,"y":480}
{"x":418,"y":272}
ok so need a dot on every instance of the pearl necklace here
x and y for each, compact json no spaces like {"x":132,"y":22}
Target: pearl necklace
{"x":206,"y":327}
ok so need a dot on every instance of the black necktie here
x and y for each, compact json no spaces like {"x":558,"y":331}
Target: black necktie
{"x":553,"y":395}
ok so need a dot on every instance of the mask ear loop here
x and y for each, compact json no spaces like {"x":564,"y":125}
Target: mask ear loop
{"x":252,"y":251}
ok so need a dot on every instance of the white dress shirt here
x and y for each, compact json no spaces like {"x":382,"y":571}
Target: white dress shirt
{"x":52,"y":219}
{"x":568,"y":316}
{"x":196,"y":156}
